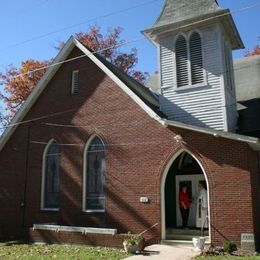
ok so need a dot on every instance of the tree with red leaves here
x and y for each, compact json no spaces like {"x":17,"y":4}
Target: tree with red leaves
{"x":17,"y":89}
{"x":19,"y":82}
{"x":254,"y":52}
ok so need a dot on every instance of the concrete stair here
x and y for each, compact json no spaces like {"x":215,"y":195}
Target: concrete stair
{"x":183,"y":236}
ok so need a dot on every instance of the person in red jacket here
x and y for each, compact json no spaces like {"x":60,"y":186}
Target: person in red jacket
{"x":184,"y":203}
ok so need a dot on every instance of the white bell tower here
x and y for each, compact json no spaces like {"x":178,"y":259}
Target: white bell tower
{"x":195,"y":40}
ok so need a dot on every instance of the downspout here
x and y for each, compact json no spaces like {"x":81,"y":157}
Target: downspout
{"x":23,"y":202}
{"x":258,"y":160}
{"x":257,"y":204}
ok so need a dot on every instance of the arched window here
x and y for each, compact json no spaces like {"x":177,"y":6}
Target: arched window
{"x":51,"y":176}
{"x":189,"y":60}
{"x":196,"y":60}
{"x":182,"y":62}
{"x":94,"y":176}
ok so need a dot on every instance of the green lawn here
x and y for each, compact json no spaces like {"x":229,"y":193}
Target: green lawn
{"x":25,"y":251}
{"x":227,"y":257}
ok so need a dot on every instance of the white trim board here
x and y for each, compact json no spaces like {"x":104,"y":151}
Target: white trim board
{"x":36,"y":92}
{"x":253,"y":142}
{"x":83,"y":230}
{"x":63,"y":54}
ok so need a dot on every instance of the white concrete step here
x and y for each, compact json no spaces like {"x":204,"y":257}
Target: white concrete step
{"x":192,"y":232}
{"x":174,"y":242}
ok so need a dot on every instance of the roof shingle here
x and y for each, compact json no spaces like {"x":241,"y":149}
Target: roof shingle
{"x":179,"y":10}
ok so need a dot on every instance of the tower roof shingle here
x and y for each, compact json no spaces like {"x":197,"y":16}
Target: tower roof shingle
{"x":179,"y":10}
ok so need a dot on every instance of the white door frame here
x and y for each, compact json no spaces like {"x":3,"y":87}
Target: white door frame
{"x":165,"y":173}
{"x":195,"y":179}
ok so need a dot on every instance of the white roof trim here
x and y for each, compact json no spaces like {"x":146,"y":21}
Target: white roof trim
{"x":36,"y":92}
{"x":120,"y":83}
{"x":251,"y":141}
{"x":63,"y":54}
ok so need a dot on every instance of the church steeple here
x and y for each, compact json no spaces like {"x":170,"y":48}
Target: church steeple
{"x":195,"y":41}
{"x":183,"y":13}
{"x":182,"y":10}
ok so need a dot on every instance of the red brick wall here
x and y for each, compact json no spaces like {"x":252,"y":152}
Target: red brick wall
{"x":255,"y":179}
{"x":137,"y":152}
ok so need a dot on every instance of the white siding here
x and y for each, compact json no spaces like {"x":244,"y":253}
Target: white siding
{"x":167,"y":63}
{"x":230,"y":90}
{"x":201,"y":105}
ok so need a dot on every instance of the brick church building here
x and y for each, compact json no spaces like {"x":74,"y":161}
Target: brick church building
{"x":93,"y":154}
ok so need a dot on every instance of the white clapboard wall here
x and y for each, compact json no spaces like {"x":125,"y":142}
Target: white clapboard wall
{"x":211,"y":104}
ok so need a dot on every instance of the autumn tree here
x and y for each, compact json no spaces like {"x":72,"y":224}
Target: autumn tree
{"x":17,"y":88}
{"x":18,"y":83}
{"x":254,"y":52}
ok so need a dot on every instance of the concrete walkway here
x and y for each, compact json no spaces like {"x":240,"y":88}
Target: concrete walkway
{"x":164,"y":252}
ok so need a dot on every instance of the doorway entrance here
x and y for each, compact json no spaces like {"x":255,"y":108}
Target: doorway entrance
{"x":184,"y":171}
{"x":192,"y":183}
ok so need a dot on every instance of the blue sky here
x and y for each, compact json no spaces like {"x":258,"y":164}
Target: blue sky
{"x":23,"y":20}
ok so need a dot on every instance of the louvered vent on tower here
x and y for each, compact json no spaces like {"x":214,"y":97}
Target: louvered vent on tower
{"x":182,"y":62}
{"x":197,"y":75}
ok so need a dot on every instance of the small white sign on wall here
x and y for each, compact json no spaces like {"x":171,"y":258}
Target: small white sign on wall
{"x":144,"y":199}
{"x":247,"y":237}
{"x":248,"y":242}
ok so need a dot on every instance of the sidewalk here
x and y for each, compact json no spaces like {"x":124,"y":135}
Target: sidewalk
{"x":177,"y":252}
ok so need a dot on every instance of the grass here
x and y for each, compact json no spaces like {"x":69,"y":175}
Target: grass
{"x":31,"y":252}
{"x":227,"y":257}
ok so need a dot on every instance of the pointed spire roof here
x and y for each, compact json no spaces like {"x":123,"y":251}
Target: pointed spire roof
{"x":177,"y":14}
{"x":175,"y":11}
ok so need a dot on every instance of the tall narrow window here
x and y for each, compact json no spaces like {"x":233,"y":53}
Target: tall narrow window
{"x":51,"y":177}
{"x":196,"y":60}
{"x":95,"y":176}
{"x":182,"y":62}
{"x":75,"y":82}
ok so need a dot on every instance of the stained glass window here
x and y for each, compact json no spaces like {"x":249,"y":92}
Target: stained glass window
{"x":95,"y":176}
{"x":51,"y":177}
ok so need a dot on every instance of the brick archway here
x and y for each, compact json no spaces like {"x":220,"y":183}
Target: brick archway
{"x":163,"y":182}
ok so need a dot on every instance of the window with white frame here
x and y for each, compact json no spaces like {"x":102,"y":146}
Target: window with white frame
{"x":94,"y":176}
{"x":189,"y":60}
{"x":51,"y":176}
{"x":75,"y":82}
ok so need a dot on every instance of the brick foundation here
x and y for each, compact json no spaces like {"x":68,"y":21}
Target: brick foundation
{"x":76,"y":238}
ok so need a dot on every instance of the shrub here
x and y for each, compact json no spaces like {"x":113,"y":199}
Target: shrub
{"x":133,"y":239}
{"x":230,"y":246}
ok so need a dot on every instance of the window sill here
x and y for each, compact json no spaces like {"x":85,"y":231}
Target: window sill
{"x":75,"y":229}
{"x":49,"y":209}
{"x":201,"y":85}
{"x":94,"y":211}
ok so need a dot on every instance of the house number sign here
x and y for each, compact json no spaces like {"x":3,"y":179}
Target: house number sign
{"x":247,"y":237}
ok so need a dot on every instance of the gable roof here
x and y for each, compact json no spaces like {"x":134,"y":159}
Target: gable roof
{"x":247,"y":78}
{"x":139,"y":94}
{"x":144,"y":93}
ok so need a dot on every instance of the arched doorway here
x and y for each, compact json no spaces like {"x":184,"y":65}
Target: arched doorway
{"x":183,"y":170}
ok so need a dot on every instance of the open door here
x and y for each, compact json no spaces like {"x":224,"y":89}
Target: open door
{"x":184,"y":171}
